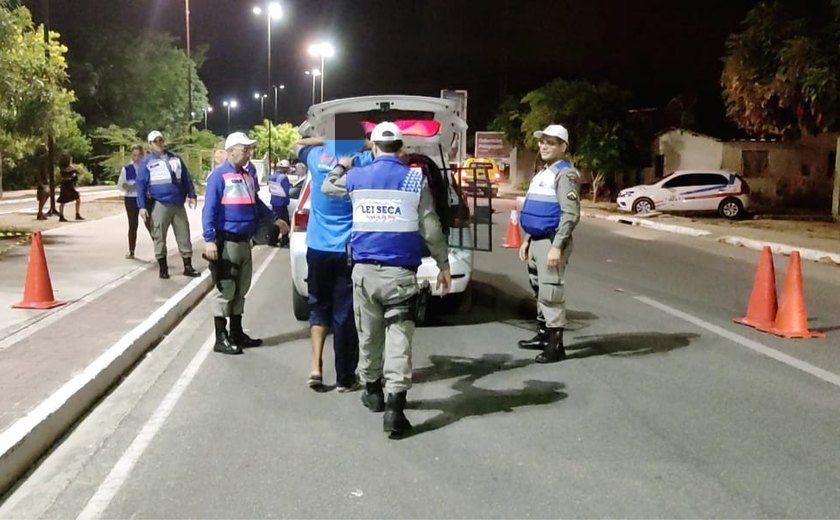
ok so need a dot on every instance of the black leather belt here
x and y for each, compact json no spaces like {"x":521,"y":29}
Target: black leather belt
{"x":384,"y":264}
{"x":233,"y":237}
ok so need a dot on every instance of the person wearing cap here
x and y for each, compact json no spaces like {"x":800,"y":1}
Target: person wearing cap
{"x":279,"y":187}
{"x":329,"y":282}
{"x":163,"y":179}
{"x":393,"y":219}
{"x":230,"y":218}
{"x":549,"y":215}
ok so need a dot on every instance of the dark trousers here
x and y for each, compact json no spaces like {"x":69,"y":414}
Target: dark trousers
{"x":281,"y":212}
{"x":133,"y":213}
{"x":330,"y":287}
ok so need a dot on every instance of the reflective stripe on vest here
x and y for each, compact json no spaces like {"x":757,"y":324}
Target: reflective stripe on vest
{"x":540,"y":214}
{"x":386,"y":225}
{"x":160,"y":174}
{"x":389,"y":211}
{"x":276,"y":188}
{"x":239,"y":189}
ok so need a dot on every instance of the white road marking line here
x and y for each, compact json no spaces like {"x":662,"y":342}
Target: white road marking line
{"x":112,"y":484}
{"x":825,"y":375}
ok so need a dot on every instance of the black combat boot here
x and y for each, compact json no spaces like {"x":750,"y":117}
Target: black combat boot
{"x":555,"y":351}
{"x":394,"y":421}
{"x":188,"y":268}
{"x":372,"y":397}
{"x":164,"y":268}
{"x":538,"y":342}
{"x":223,"y":343}
{"x":238,"y":336}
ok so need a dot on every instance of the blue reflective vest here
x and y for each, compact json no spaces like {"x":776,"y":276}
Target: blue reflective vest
{"x":231,"y":203}
{"x":165,"y":179}
{"x":386,"y":202}
{"x":541,"y":211}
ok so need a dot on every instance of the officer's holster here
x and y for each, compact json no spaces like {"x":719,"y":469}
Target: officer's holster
{"x":220,"y":269}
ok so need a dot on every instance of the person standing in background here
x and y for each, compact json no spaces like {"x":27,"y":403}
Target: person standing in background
{"x":126,"y":184}
{"x":279,"y":187}
{"x":68,"y":193}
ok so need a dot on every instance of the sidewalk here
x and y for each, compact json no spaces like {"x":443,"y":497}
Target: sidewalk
{"x":815,"y":241}
{"x":55,"y":364}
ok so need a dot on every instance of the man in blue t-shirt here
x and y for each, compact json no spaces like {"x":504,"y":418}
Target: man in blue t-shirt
{"x":329,"y":279}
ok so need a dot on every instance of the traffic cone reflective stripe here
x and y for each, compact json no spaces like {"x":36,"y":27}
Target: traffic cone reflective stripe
{"x":513,"y":238}
{"x":761,"y":312}
{"x":792,"y":318}
{"x":37,"y":293}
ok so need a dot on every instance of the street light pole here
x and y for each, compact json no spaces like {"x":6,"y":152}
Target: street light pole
{"x":314,"y":73}
{"x":275,"y":87}
{"x":261,"y":97}
{"x":207,"y":111}
{"x":274,"y":11}
{"x":189,"y":63}
{"x":229,"y":104}
{"x":324,"y":50}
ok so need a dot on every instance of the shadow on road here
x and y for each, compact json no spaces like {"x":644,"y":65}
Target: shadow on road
{"x":475,"y":401}
{"x":635,"y":344}
{"x":277,"y":339}
{"x":449,"y":367}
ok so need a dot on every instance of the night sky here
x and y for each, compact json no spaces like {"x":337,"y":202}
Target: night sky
{"x":655,"y":48}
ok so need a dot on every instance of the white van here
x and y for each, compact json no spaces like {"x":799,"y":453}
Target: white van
{"x":431,"y":126}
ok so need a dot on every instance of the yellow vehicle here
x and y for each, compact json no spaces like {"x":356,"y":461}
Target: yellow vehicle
{"x":481,"y":176}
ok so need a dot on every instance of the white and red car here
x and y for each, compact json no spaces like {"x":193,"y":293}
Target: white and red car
{"x":432,"y":140}
{"x":690,"y":190}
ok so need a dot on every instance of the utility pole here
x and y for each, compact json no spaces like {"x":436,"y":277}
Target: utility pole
{"x":835,"y":194}
{"x":50,"y":136}
{"x":189,"y":66}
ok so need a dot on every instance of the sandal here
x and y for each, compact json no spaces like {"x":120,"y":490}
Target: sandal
{"x":314,"y":381}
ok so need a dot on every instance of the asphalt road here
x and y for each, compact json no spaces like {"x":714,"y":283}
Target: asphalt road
{"x":666,"y":408}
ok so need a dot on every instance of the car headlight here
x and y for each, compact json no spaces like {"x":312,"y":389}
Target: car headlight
{"x":624,"y":194}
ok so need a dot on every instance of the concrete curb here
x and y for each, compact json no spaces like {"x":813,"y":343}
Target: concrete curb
{"x":814,"y":255}
{"x":25,"y":441}
{"x":635,"y":221}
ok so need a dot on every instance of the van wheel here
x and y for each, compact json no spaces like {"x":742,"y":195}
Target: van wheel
{"x":731,"y":208}
{"x":300,"y":305}
{"x":643,"y":205}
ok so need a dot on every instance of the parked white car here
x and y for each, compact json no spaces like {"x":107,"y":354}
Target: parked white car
{"x":374,"y":109}
{"x":690,"y":190}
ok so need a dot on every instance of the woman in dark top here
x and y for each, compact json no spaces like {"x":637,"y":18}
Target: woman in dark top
{"x":68,"y":193}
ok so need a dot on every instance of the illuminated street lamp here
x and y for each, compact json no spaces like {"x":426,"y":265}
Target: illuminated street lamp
{"x":206,"y":111}
{"x":323,"y":50}
{"x":261,"y":97}
{"x":229,"y":104}
{"x":314,"y":73}
{"x":275,"y":87}
{"x":273,"y":11}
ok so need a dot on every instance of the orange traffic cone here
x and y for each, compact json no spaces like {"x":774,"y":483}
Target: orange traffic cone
{"x":761,"y":311}
{"x":513,"y":238}
{"x":792,"y":318}
{"x":37,"y":293}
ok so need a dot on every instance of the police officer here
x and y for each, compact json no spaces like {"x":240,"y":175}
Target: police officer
{"x":164,"y":179}
{"x":279,"y":187}
{"x":549,"y":215}
{"x":393,"y":215}
{"x":229,"y":218}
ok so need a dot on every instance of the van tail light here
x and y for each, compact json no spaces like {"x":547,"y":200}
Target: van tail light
{"x":300,"y":220}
